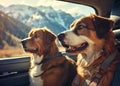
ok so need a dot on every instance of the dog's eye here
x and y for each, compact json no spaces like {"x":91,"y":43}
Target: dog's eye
{"x":79,"y":29}
{"x":81,"y":26}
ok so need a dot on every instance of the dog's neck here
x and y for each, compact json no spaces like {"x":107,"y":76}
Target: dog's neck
{"x":100,"y":65}
{"x":85,"y":63}
{"x":51,"y":51}
{"x":36,"y":69}
{"x":84,"y":68}
{"x":38,"y":63}
{"x":86,"y":59}
{"x":36,"y":59}
{"x":39,"y":60}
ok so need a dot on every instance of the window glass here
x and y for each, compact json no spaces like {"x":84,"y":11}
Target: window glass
{"x":17,"y":17}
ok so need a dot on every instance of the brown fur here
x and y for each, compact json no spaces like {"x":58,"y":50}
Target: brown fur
{"x":99,"y":30}
{"x":57,"y":71}
{"x":108,"y":46}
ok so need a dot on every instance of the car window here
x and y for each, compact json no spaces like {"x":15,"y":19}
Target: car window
{"x":17,"y":17}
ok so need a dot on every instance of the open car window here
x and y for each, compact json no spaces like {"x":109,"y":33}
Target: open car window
{"x":18,"y":17}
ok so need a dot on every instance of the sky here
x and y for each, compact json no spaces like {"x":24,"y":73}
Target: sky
{"x":65,"y":6}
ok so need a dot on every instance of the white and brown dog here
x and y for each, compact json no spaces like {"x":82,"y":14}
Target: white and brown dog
{"x":92,"y":39}
{"x":49,"y":66}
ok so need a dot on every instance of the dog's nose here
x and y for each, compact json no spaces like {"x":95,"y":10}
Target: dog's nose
{"x":61,"y":36}
{"x":23,"y":43}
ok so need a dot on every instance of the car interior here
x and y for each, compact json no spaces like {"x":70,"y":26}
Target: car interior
{"x":17,"y":69}
{"x":104,"y":8}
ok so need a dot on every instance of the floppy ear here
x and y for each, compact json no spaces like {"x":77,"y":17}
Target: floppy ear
{"x":50,"y":36}
{"x":102,"y":25}
{"x":73,"y":24}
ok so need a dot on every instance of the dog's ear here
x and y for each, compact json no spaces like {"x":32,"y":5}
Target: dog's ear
{"x":50,"y":36}
{"x":31,"y":32}
{"x":102,"y":25}
{"x":73,"y":24}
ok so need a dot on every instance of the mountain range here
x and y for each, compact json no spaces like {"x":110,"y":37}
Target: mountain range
{"x":10,"y":31}
{"x":17,"y":20}
{"x":56,"y":20}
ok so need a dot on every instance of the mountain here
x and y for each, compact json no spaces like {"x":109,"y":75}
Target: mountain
{"x":15,"y":20}
{"x":11,"y":31}
{"x":41,"y":16}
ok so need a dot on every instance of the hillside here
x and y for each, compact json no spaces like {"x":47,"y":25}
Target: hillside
{"x":11,"y":31}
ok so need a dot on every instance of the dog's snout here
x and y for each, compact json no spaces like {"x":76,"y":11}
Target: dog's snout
{"x":24,"y":43}
{"x":61,"y":36}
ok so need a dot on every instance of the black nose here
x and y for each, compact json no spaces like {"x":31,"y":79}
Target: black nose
{"x":61,"y":36}
{"x":24,"y":43}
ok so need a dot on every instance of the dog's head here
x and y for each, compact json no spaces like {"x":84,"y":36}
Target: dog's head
{"x":88,"y":35}
{"x":39,"y":41}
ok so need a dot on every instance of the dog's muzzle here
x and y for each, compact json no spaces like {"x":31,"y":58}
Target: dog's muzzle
{"x":70,"y":48}
{"x":24,"y":43}
{"x":61,"y":37}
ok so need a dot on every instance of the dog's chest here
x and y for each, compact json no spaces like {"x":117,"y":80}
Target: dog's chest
{"x":37,"y":81}
{"x":88,"y":72}
{"x":35,"y":77}
{"x":35,"y":73}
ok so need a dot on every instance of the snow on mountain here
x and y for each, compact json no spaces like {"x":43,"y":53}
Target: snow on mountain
{"x":20,"y":12}
{"x":41,"y":16}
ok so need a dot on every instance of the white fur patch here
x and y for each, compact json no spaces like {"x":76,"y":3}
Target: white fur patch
{"x":37,"y":81}
{"x":36,"y":71}
{"x":37,"y":59}
{"x":90,"y":57}
{"x":73,"y":39}
{"x":83,"y":61}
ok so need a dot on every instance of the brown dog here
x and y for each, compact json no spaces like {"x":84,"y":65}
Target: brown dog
{"x":49,"y":66}
{"x":92,"y":39}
